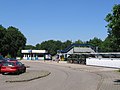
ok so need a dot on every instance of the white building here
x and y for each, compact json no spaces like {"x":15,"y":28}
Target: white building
{"x":33,"y":54}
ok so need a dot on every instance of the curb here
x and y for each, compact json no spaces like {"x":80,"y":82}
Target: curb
{"x":30,"y":79}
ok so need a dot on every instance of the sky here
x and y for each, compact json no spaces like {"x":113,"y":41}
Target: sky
{"x":42,"y":20}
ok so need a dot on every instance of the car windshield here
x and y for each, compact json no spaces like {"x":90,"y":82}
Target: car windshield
{"x":10,"y":58}
{"x":8,"y":64}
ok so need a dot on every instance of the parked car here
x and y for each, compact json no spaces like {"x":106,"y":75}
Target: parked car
{"x":13,"y":67}
{"x":2,"y":60}
{"x":11,"y":59}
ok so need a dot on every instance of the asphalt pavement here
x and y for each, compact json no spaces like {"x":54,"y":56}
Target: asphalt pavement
{"x":66,"y":76}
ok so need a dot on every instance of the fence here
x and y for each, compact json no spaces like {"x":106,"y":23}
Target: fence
{"x":106,"y":62}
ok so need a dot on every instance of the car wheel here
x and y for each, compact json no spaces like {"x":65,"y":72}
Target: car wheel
{"x":3,"y":73}
{"x":24,"y":70}
{"x":18,"y":72}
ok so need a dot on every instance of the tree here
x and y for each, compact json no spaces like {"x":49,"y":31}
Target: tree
{"x":78,"y":42}
{"x":2,"y":34}
{"x":66,"y":44}
{"x":96,"y":42}
{"x":37,"y":46}
{"x":113,"y":26}
{"x":106,"y":45}
{"x":13,"y":41}
{"x":27,"y":47}
{"x":51,"y":46}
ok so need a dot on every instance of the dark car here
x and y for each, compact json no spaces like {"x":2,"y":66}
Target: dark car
{"x":14,"y":67}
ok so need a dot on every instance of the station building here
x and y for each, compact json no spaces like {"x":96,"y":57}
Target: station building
{"x":34,"y":54}
{"x":76,"y":52}
{"x":89,"y":55}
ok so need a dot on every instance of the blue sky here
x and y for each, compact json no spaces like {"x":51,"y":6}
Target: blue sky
{"x":41,"y":20}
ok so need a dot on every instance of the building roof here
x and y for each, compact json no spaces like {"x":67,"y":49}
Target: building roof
{"x":75,"y":45}
{"x":34,"y":51}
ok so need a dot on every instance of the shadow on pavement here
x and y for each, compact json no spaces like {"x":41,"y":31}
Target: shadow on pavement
{"x":117,"y":82}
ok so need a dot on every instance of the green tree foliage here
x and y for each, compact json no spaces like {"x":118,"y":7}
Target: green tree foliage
{"x":12,"y":42}
{"x":113,"y":26}
{"x":37,"y":46}
{"x":2,"y":34}
{"x":106,"y":45}
{"x":27,"y":47}
{"x":96,"y":42}
{"x":52,"y":46}
{"x":78,"y":42}
{"x":66,"y":44}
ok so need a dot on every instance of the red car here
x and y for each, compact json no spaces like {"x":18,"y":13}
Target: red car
{"x":1,"y":63}
{"x":12,"y":67}
{"x":2,"y":60}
